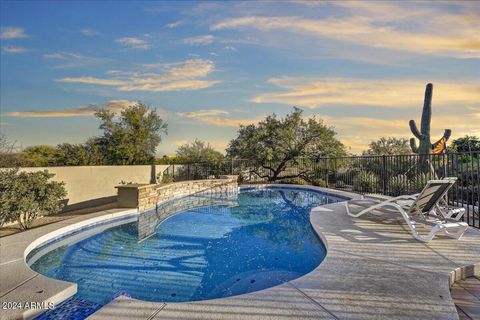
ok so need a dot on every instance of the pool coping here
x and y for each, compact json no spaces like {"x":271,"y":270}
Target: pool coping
{"x":60,"y":290}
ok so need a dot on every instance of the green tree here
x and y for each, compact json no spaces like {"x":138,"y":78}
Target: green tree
{"x":68,"y":154}
{"x":94,"y":152}
{"x":39,"y":156}
{"x":198,"y":151}
{"x":131,"y":139}
{"x":25,"y":196}
{"x":466,"y":144}
{"x":275,"y":143}
{"x":388,"y":146}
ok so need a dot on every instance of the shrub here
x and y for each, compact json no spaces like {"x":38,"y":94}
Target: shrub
{"x":347,"y":176}
{"x":419,"y":182}
{"x":398,"y":185}
{"x":319,"y":182}
{"x":167,"y":178}
{"x":299,"y":181}
{"x":25,"y":196}
{"x":366,"y":182}
{"x":340,"y":184}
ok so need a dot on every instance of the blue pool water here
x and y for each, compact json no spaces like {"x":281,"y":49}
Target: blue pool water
{"x":247,"y":242}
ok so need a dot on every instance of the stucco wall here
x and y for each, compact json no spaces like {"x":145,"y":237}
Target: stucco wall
{"x":95,"y":185}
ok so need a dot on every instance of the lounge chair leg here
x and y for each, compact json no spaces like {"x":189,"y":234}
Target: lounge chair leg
{"x":457,"y":235}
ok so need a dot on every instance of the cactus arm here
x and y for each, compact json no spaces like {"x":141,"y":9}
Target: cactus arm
{"x":446,"y":135}
{"x":413,"y":145}
{"x":414,"y":129}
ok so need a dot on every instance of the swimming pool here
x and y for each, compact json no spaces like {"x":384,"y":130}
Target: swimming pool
{"x":220,"y":246}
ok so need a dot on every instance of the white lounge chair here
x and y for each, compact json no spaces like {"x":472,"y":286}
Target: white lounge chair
{"x":427,"y":208}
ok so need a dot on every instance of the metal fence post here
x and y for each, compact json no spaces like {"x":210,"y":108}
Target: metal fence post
{"x":384,"y":174}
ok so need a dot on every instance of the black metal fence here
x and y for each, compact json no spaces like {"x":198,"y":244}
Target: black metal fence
{"x":387,"y":175}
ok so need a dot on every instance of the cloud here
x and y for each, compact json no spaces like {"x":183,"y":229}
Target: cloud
{"x":67,"y":60}
{"x":172,"y":86}
{"x":317,"y":92}
{"x":198,"y":41}
{"x":13,"y":49}
{"x":5,"y":124}
{"x":12,"y":33}
{"x":177,"y":76}
{"x":203,"y":113}
{"x":91,"y":80}
{"x":89,"y":32}
{"x":230,"y":48}
{"x":134,"y":43}
{"x":175,"y":24}
{"x":424,"y":30}
{"x":115,"y":106}
{"x":217,"y":117}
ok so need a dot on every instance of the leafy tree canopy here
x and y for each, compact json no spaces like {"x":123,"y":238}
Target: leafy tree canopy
{"x":274,"y":142}
{"x":466,"y":144}
{"x":388,"y":146}
{"x":198,"y":151}
{"x":133,"y":137}
{"x":40,"y":156}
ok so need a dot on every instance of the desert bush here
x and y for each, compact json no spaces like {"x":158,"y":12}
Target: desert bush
{"x":299,"y":181}
{"x":318,"y":182}
{"x":398,"y":185}
{"x":340,"y":184}
{"x":366,"y":182}
{"x":419,"y":182}
{"x":347,"y":176}
{"x":25,"y":196}
{"x":167,"y":178}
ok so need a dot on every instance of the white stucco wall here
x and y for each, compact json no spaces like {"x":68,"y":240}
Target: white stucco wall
{"x":96,"y":184}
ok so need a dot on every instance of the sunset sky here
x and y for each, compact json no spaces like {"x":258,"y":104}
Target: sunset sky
{"x":209,"y":66}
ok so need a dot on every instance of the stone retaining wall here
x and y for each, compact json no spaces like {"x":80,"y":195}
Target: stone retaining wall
{"x":144,"y":197}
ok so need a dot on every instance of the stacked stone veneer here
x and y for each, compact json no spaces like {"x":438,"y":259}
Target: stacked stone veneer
{"x":145,"y":197}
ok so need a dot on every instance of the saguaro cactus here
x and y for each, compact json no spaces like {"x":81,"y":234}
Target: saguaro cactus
{"x":423,"y":135}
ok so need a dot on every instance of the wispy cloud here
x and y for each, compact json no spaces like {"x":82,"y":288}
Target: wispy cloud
{"x":134,"y":43}
{"x":177,"y":76}
{"x":175,"y":24}
{"x":230,"y":48}
{"x":67,"y":60}
{"x":203,"y":113}
{"x":13,"y":49}
{"x":89,"y":32}
{"x":375,"y":25}
{"x":199,"y":40}
{"x":217,"y":117}
{"x":12,"y":33}
{"x":115,"y":106}
{"x":317,"y":92}
{"x":91,"y":80}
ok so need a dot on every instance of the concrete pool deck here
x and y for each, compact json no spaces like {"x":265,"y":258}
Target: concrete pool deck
{"x":374,"y":269}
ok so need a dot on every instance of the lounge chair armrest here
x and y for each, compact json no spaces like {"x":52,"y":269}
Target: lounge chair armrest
{"x":456,"y":213}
